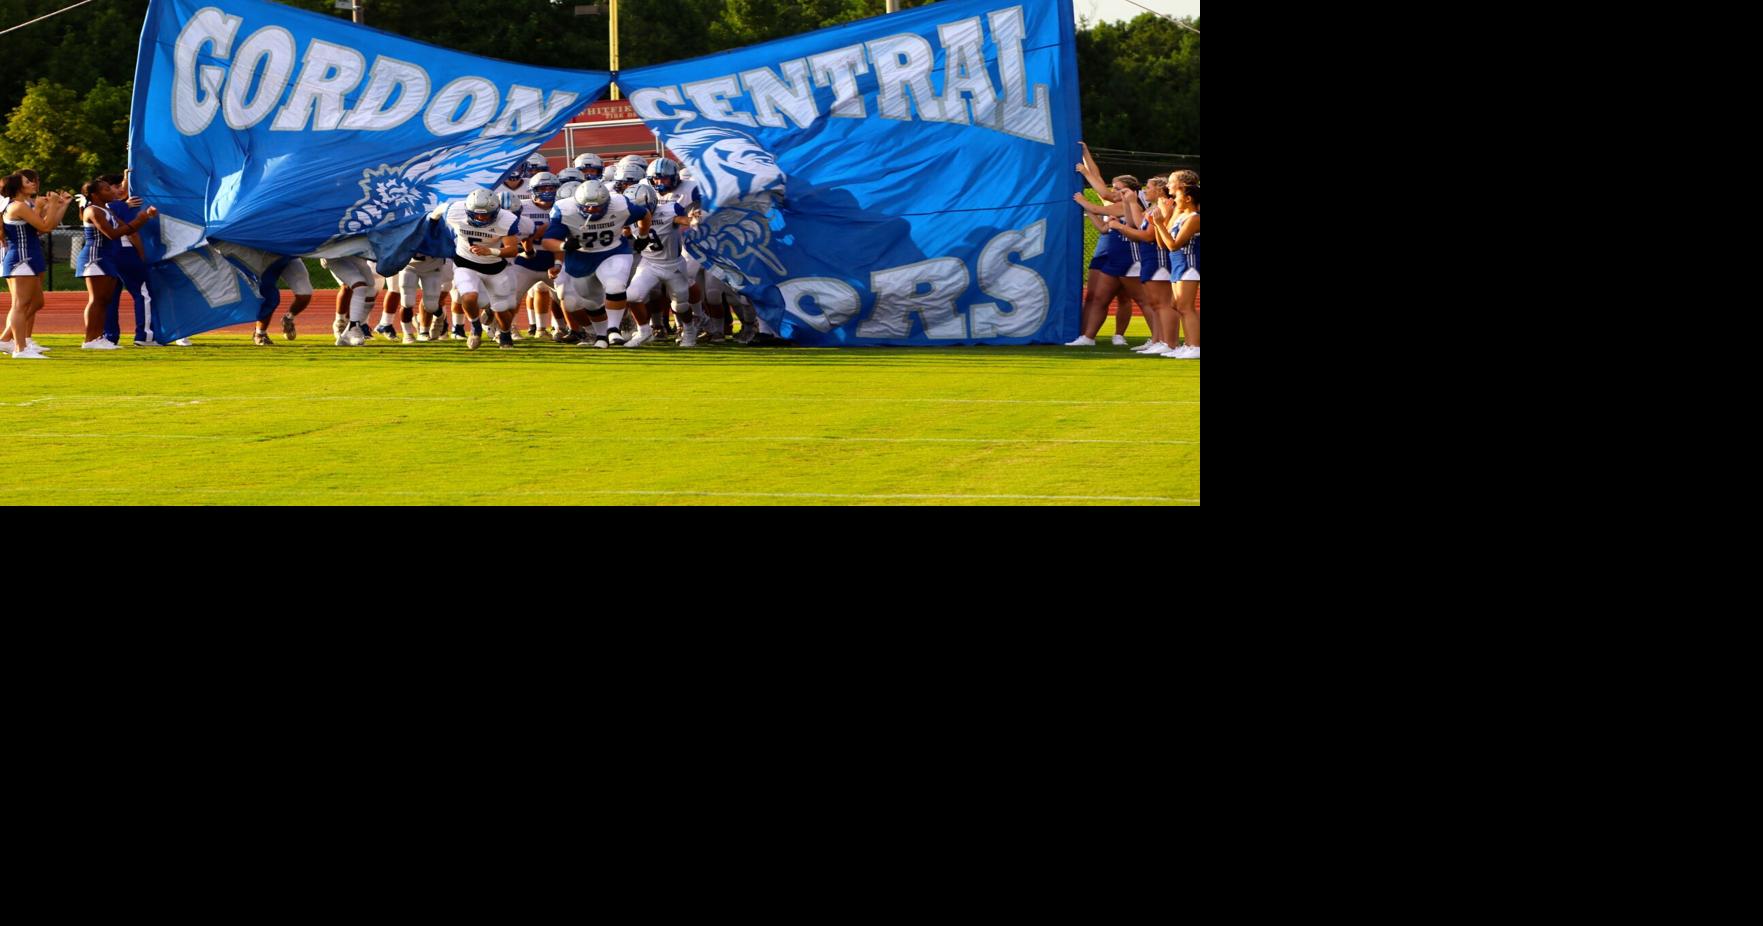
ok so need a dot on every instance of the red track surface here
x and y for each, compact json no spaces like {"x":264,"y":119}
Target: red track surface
{"x":63,"y":313}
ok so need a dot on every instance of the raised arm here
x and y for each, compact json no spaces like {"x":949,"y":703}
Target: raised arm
{"x":1090,"y":172}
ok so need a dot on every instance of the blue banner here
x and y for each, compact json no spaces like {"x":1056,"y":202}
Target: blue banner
{"x":291,"y":132}
{"x":905,"y":179}
{"x":209,"y":287}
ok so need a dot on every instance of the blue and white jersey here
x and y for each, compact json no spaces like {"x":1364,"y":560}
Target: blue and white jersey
{"x":595,"y":237}
{"x":533,"y":221}
{"x":97,"y":250}
{"x":123,"y":213}
{"x":24,"y":250}
{"x":687,"y":195}
{"x":662,"y":227}
{"x":1186,"y":257}
{"x":466,"y":234}
{"x":1152,"y":254}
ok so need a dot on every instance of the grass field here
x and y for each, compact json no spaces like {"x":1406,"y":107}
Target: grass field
{"x":306,"y":422}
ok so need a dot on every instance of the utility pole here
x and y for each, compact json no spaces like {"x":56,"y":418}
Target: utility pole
{"x":893,"y":6}
{"x":614,"y":29}
{"x":357,"y":10}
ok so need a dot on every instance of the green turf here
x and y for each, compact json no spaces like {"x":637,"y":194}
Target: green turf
{"x":306,"y":422}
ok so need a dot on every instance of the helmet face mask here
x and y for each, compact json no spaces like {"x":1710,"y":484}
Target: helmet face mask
{"x":481,"y":208}
{"x":592,"y":198}
{"x":642,"y":195}
{"x":624,"y":175}
{"x":664,"y":175}
{"x":544,"y":184}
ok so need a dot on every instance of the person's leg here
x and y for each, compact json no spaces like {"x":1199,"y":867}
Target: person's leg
{"x":99,"y":291}
{"x":389,"y":314}
{"x":340,"y":320}
{"x":1101,"y":290}
{"x":1133,"y":291}
{"x":1162,"y":310}
{"x":1185,"y":292}
{"x":112,"y":311}
{"x":27,"y":297}
{"x":1123,"y":315}
{"x":16,"y":286}
{"x":133,"y":275}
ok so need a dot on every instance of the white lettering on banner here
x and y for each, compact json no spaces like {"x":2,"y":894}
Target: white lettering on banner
{"x":932,"y":290}
{"x":1021,"y":117}
{"x":840,"y":70}
{"x":395,"y":92}
{"x":483,"y":96}
{"x":796,"y":98}
{"x":711,"y":98}
{"x":964,"y":71}
{"x":645,"y":102}
{"x":527,"y":109}
{"x":904,"y":60}
{"x":836,"y":300}
{"x":270,"y":49}
{"x":192,"y":109}
{"x":897,"y":299}
{"x":1023,"y":288}
{"x":215,"y":278}
{"x":903,"y":65}
{"x":328,"y":73}
{"x":389,"y":74}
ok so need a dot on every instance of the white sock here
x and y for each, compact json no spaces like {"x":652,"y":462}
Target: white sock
{"x":361,"y":305}
{"x":645,"y":330}
{"x":599,"y":329}
{"x":614,"y":318}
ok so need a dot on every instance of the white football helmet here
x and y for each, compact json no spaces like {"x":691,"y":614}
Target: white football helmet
{"x":664,"y":175}
{"x":590,"y":161}
{"x":626,"y":174}
{"x":544,"y":184}
{"x":642,"y":195}
{"x":593,"y":198}
{"x":481,"y":207}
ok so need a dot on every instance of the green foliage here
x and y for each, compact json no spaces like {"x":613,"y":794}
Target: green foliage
{"x":66,"y":137}
{"x":1141,"y":87}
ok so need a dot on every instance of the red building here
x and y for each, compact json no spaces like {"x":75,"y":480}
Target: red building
{"x":609,"y":128}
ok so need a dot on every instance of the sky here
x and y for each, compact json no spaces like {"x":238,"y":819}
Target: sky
{"x":1110,"y":10}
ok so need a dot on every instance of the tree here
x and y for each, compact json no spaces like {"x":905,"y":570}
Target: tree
{"x":66,"y":138}
{"x":1141,"y":86}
